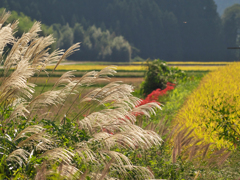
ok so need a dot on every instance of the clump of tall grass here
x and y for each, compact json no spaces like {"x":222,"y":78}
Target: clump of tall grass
{"x":34,"y":146}
{"x":182,"y":155}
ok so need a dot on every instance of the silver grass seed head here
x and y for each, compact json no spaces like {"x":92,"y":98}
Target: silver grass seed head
{"x":17,"y":81}
{"x":19,"y":156}
{"x":19,"y":111}
{"x":58,"y":154}
{"x":67,"y":171}
{"x":5,"y":15}
{"x":41,"y":141}
{"x":64,"y":79}
{"x":34,"y":129}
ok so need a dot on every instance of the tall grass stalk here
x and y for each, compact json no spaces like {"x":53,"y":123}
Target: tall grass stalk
{"x":33,"y":147}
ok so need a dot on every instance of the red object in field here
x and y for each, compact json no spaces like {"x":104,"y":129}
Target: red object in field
{"x":153,"y":96}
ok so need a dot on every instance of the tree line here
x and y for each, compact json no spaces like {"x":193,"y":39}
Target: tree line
{"x":223,"y":4}
{"x":118,"y":30}
{"x":96,"y":44}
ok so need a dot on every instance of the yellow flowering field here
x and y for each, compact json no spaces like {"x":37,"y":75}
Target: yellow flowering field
{"x":136,"y":67}
{"x":218,"y":91}
{"x":198,"y":68}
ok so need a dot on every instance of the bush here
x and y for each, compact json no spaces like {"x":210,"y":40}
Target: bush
{"x":158,"y":74}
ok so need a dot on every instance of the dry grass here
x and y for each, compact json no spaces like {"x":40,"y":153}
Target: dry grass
{"x":105,"y":113}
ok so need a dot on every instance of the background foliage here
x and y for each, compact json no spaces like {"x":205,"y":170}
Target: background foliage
{"x":158,"y":74}
{"x":96,"y":44}
{"x":170,"y":30}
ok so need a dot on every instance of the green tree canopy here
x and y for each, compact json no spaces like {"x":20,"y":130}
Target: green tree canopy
{"x":172,"y":30}
{"x":231,"y":29}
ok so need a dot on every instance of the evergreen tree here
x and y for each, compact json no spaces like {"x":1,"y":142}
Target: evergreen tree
{"x":231,"y":29}
{"x":179,"y":30}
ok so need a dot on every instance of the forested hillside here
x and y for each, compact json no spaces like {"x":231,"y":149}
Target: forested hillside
{"x":223,"y":4}
{"x":171,"y":30}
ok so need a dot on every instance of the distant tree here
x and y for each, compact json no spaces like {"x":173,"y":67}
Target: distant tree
{"x":121,"y":50}
{"x":96,"y":45}
{"x":25,"y":23}
{"x":199,"y":28}
{"x":104,"y":46}
{"x":64,"y":36}
{"x":223,"y":4}
{"x":231,"y":29}
{"x":182,"y":30}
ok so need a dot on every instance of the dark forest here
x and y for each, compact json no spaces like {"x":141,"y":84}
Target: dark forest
{"x":120,"y":30}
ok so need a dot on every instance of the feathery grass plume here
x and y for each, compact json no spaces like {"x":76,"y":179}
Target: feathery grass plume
{"x":223,"y":158}
{"x":192,"y":149}
{"x":117,"y":117}
{"x":59,"y":154}
{"x":69,"y":52}
{"x":15,"y":55}
{"x":5,"y":15}
{"x":17,"y":83}
{"x":19,"y":156}
{"x":86,"y":153}
{"x":119,"y":158}
{"x":65,"y":78}
{"x":67,"y":171}
{"x":27,"y":132}
{"x":19,"y":111}
{"x":47,"y":99}
{"x":186,"y":148}
{"x":107,"y":71}
{"x":14,"y":26}
{"x":112,"y":126}
{"x":130,"y":139}
{"x":6,"y":37}
{"x":88,"y":79}
{"x":139,"y":172}
{"x":147,"y":109}
{"x":41,"y":141}
{"x":39,"y":52}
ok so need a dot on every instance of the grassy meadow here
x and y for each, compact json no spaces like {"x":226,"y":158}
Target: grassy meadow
{"x":85,"y":121}
{"x":132,"y":74}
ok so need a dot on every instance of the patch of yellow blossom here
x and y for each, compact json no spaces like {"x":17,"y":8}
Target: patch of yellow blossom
{"x":218,"y":89}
